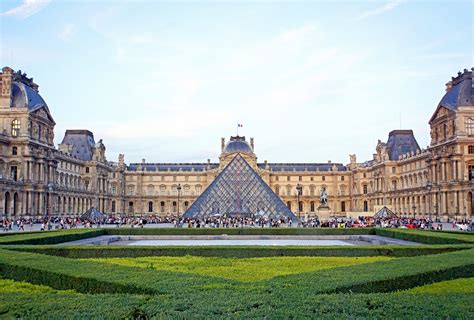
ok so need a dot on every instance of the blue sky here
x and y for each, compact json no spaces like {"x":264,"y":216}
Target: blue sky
{"x":311,"y":80}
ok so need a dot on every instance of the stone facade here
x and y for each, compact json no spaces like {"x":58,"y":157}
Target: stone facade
{"x":38,"y":179}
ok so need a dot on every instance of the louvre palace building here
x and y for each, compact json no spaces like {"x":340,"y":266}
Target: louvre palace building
{"x":38,"y":178}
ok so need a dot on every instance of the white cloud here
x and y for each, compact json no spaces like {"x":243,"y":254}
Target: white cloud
{"x":390,"y":5}
{"x":67,"y":32}
{"x":27,"y":8}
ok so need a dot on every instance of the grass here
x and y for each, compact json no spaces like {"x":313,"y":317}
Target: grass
{"x":462,"y":285}
{"x":11,"y":286}
{"x":390,"y":282}
{"x":240,"y":269}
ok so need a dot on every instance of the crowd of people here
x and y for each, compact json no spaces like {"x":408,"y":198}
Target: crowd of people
{"x":54,"y":223}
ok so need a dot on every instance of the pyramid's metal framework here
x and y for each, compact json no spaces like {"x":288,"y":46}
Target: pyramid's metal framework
{"x":238,"y":191}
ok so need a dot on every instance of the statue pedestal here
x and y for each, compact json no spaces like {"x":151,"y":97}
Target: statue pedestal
{"x":324,"y":212}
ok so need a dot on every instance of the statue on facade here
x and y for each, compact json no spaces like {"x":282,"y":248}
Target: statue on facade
{"x":323,"y":197}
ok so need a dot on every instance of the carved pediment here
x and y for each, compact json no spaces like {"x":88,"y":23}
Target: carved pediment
{"x":441,"y":112}
{"x":43,"y":113}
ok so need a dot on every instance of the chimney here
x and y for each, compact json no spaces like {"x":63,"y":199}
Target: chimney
{"x":222,"y":144}
{"x":6,"y":87}
{"x":251,"y":144}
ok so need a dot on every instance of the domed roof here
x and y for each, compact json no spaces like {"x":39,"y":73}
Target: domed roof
{"x":237,"y":144}
{"x":459,"y":92}
{"x":24,"y":93}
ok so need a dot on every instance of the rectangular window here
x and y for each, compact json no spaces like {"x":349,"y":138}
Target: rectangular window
{"x":342,"y":178}
{"x":471,"y":173}
{"x":365,"y":189}
{"x":113,"y":206}
{"x":470,"y":149}
{"x":300,"y":178}
{"x":343,"y":206}
{"x":14,"y":151}
{"x":87,"y":169}
{"x":288,"y":178}
{"x":14,"y":173}
{"x":324,"y":178}
{"x":394,"y":169}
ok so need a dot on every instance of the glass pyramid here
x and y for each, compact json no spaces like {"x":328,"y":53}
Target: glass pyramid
{"x":238,"y":191}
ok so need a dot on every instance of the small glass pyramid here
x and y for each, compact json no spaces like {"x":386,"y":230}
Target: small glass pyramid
{"x":238,"y":191}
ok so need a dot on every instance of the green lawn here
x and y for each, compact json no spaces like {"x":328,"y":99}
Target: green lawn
{"x":462,"y":285}
{"x":11,"y":286}
{"x":430,"y":281}
{"x":241,"y":269}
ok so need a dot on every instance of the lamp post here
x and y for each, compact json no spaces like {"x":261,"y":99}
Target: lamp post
{"x":299,"y":189}
{"x":179,"y":191}
{"x":48,"y":208}
{"x":428,"y":187}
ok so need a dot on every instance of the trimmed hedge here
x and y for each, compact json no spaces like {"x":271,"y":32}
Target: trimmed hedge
{"x":93,"y":277}
{"x":386,"y":276}
{"x":50,"y":237}
{"x":426,"y":236}
{"x":103,"y":251}
{"x":335,"y":306}
{"x":238,"y":231}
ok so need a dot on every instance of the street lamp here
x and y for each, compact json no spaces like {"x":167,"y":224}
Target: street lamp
{"x":48,"y":209}
{"x":299,"y":189}
{"x":179,"y":191}
{"x":428,"y":187}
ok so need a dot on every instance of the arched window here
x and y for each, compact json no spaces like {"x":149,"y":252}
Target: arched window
{"x":150,"y":206}
{"x":130,"y":207}
{"x":186,"y":190}
{"x":175,"y":206}
{"x":198,"y":190}
{"x":186,"y":205}
{"x":288,"y":204}
{"x":300,"y":206}
{"x":162,"y":206}
{"x":15,"y":128}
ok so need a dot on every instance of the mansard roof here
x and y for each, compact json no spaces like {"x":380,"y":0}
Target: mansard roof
{"x":171,"y":166}
{"x":299,"y":167}
{"x":460,"y":91}
{"x":401,"y":142}
{"x":82,"y":142}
